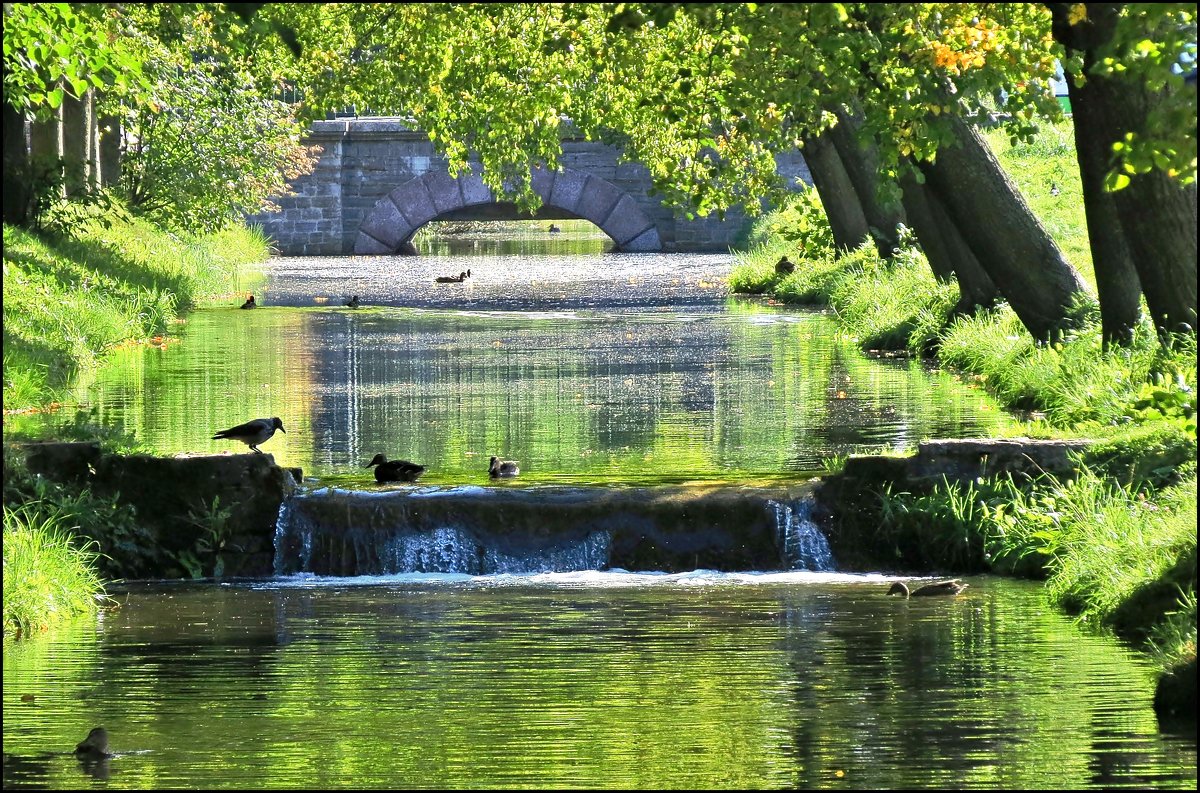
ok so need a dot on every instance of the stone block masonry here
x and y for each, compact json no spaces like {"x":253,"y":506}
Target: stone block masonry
{"x":378,"y":181}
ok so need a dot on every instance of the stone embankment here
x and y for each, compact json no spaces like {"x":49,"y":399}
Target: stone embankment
{"x":172,"y":496}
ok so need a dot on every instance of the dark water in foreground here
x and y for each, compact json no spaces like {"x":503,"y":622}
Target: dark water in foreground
{"x":606,"y":680}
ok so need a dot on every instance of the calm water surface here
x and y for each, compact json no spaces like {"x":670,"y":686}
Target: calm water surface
{"x":606,"y":368}
{"x":586,"y":367}
{"x":612,"y":680}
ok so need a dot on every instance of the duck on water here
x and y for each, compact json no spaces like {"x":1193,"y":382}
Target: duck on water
{"x":950,"y":587}
{"x":394,"y":470}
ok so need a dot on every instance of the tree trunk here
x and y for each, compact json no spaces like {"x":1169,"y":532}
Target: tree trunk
{"x":93,"y":141}
{"x":16,"y":168}
{"x":1010,"y":243}
{"x":842,"y":207}
{"x":75,"y":143}
{"x":861,"y":161}
{"x":110,"y":150}
{"x":948,"y":254}
{"x":1157,"y":215}
{"x":1117,"y":281}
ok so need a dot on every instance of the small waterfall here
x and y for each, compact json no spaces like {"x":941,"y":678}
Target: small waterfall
{"x":801,"y":542}
{"x":483,"y":531}
{"x":450,"y":549}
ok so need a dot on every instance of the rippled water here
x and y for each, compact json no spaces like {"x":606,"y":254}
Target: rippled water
{"x":597,"y":368}
{"x":586,"y":680}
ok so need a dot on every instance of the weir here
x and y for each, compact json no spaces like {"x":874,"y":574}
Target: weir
{"x":489,"y":530}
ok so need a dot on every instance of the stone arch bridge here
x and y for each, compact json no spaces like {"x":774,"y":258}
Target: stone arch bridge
{"x":378,"y":181}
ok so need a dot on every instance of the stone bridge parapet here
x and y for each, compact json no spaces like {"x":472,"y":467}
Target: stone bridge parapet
{"x":378,"y":181}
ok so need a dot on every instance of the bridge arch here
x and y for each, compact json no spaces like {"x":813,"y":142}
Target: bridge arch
{"x":398,"y":215}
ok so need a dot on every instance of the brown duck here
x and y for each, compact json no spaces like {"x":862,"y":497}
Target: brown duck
{"x":502,"y":468}
{"x":951,"y":587}
{"x":394,"y":470}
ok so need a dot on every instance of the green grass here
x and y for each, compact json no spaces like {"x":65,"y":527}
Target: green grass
{"x":67,"y":301}
{"x":1118,"y":542}
{"x":48,"y":576}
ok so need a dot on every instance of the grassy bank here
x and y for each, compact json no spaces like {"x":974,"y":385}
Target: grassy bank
{"x":67,"y":302}
{"x":1117,"y":543}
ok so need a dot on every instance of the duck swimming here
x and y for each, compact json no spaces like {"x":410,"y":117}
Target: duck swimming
{"x":394,"y":470}
{"x":502,"y":468}
{"x":951,"y":587}
{"x":452,"y":279}
{"x":94,"y":746}
{"x":249,"y":303}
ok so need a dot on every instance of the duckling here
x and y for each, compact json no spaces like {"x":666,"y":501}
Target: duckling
{"x":394,"y":470}
{"x":498,"y":468}
{"x":352,"y":302}
{"x":785,"y":266}
{"x":94,"y":746}
{"x":249,"y":303}
{"x":951,"y":587}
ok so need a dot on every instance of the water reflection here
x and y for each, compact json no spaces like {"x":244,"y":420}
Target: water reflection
{"x":732,"y":391}
{"x":611,"y":680}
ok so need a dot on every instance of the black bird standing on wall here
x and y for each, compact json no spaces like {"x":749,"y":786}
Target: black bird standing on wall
{"x":251,"y":433}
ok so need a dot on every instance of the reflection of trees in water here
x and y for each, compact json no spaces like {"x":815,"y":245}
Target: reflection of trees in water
{"x":701,"y":391}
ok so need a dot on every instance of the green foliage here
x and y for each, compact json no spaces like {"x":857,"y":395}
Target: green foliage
{"x":209,"y":149}
{"x":67,"y":301}
{"x":124,"y":547}
{"x":48,"y":576}
{"x":799,"y":222}
{"x":1077,"y":380}
{"x":51,"y":49}
{"x":1153,"y":47}
{"x":883,"y":303}
{"x":938,"y":530}
{"x":215,"y":530}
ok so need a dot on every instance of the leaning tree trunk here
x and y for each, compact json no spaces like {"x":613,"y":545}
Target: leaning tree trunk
{"x":1157,"y":215}
{"x":861,"y":161}
{"x":842,"y":207}
{"x":1117,"y":282}
{"x":1007,"y":238}
{"x":947,"y":252}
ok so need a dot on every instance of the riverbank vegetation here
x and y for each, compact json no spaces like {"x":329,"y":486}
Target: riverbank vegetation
{"x":114,"y":280}
{"x":1117,"y":542}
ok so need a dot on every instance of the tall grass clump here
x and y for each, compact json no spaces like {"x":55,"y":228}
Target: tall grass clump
{"x":884,"y":303}
{"x":48,"y":576}
{"x":1078,"y":380}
